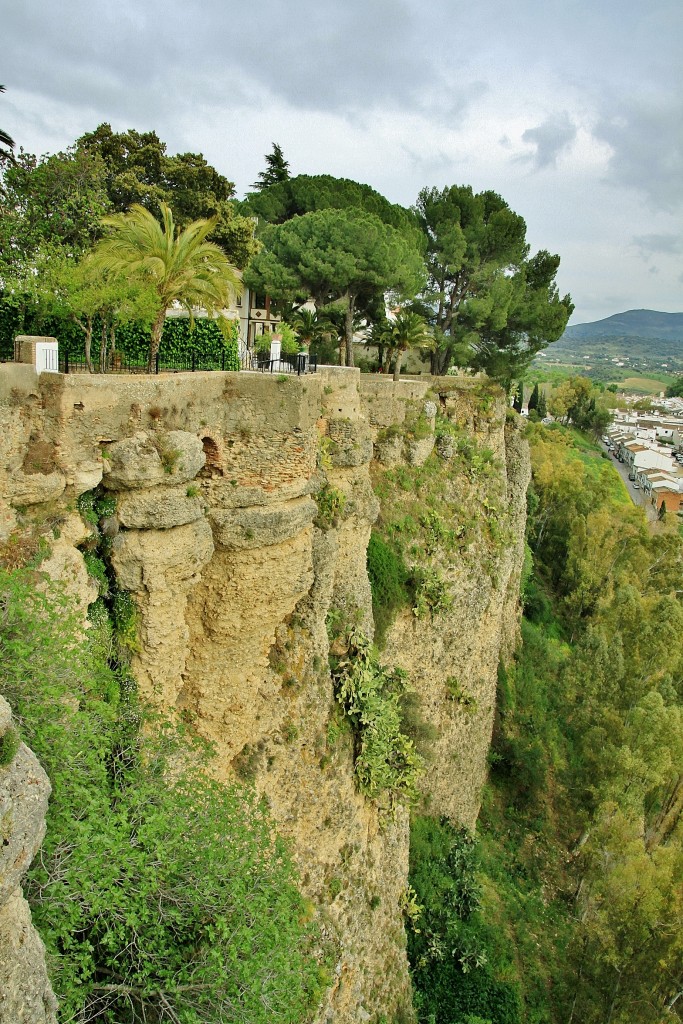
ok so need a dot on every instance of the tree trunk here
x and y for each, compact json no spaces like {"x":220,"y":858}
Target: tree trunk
{"x":87,"y":330}
{"x":103,"y":346}
{"x":397,"y":364}
{"x":348,"y":330}
{"x":668,"y":817}
{"x":155,"y":340}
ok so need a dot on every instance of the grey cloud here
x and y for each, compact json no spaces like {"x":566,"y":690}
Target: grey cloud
{"x":550,"y":138}
{"x":646,"y":136}
{"x":668,"y":244}
{"x":312,"y":54}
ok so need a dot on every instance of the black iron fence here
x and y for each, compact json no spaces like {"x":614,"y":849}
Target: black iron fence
{"x":297,"y":364}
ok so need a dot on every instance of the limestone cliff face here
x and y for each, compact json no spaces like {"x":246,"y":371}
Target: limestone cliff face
{"x":244,"y":508}
{"x":26,"y":996}
{"x":452,"y":658}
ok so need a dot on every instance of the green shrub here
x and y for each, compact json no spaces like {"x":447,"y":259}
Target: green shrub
{"x":331,"y":504}
{"x":94,"y":505}
{"x":98,"y":570}
{"x":9,"y":745}
{"x":386,"y":760}
{"x":460,"y":696}
{"x":452,"y":951}
{"x":125,"y":618}
{"x":160,"y":894}
{"x":388,"y":576}
{"x":432,"y":594}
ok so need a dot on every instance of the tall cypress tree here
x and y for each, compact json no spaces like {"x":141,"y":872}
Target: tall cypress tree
{"x":277,"y":169}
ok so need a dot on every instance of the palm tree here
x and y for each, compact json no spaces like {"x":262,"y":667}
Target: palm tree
{"x":181,"y":265}
{"x":407,"y":330}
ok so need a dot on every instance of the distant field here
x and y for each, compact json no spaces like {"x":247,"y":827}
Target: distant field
{"x":646,"y":383}
{"x":650,"y":385}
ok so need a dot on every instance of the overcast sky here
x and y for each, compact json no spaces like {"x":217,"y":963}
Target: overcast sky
{"x":572,"y":110}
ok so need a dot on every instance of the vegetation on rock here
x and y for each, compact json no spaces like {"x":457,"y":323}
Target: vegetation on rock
{"x":160,"y":894}
{"x":580,"y":842}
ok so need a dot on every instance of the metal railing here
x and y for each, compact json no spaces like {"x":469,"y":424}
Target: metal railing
{"x":297,"y":364}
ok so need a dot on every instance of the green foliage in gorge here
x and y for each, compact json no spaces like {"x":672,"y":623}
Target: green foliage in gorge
{"x":457,"y":963}
{"x":160,"y":894}
{"x":389,"y":582}
{"x":582,"y":827}
{"x":579,"y":402}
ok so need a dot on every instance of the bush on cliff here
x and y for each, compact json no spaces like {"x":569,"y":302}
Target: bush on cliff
{"x":160,"y":894}
{"x":386,"y":761}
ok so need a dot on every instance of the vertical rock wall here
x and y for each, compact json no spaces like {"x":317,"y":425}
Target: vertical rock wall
{"x":244,"y":509}
{"x":25,"y":993}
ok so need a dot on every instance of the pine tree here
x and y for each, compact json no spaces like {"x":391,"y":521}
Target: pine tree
{"x":533,"y":401}
{"x":542,"y":407}
{"x":277,"y":169}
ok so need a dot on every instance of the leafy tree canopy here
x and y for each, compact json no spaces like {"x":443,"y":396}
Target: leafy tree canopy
{"x":491,"y":306}
{"x":51,"y":203}
{"x":578,"y":401}
{"x":335,"y":255}
{"x":139,"y":170}
{"x":307,"y":193}
{"x":5,"y":139}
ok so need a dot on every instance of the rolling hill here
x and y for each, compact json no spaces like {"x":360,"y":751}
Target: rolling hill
{"x":641,"y":338}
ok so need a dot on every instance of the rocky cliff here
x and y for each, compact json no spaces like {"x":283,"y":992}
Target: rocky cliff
{"x":25,"y":993}
{"x":244,"y":506}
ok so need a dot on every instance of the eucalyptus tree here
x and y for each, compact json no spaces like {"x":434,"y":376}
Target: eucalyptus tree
{"x":180,"y":265}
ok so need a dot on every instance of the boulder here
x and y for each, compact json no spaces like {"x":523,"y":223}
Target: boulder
{"x":261,"y":526}
{"x":35,"y":488}
{"x":150,"y":458}
{"x":146,"y":560}
{"x":159,"y":508}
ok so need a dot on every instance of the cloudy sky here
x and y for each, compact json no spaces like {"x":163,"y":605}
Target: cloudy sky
{"x":571,"y":110}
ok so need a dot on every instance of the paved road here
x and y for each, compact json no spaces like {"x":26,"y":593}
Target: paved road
{"x":637,"y":496}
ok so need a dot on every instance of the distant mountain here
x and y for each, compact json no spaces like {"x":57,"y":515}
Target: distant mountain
{"x":642,"y":338}
{"x":634,"y":323}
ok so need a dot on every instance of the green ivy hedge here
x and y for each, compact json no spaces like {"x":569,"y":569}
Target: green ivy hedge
{"x":178,"y":342}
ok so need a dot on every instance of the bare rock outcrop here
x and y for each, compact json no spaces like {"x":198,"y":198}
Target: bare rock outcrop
{"x":26,"y":995}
